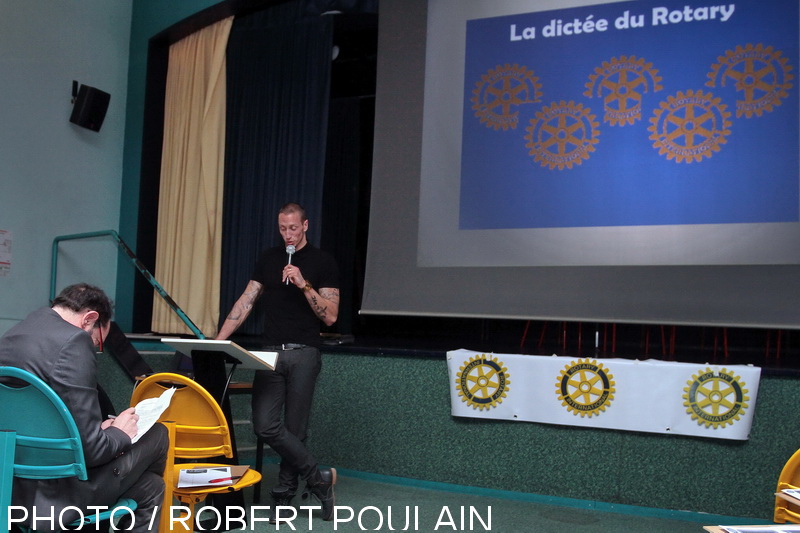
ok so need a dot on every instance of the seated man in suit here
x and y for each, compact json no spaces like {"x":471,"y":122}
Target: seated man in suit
{"x":57,"y":344}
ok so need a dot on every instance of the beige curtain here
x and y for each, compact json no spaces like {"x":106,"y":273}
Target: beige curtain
{"x":189,"y":246}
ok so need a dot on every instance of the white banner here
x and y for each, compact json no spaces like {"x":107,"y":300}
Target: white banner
{"x":714,"y":401}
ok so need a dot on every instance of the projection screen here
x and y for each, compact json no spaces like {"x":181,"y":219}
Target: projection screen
{"x":590,"y":161}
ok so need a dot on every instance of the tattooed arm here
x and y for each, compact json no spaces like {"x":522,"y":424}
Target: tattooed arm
{"x":324,"y":303}
{"x":241,"y":310}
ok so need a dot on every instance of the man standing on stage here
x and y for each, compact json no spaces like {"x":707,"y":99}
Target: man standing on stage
{"x":300,"y":285}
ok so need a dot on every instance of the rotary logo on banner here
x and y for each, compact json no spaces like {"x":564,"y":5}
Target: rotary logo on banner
{"x":653,"y":396}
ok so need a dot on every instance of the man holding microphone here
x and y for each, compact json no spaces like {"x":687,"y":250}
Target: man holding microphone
{"x":300,"y":285}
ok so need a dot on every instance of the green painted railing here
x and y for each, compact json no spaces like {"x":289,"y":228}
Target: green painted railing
{"x":138,"y":264}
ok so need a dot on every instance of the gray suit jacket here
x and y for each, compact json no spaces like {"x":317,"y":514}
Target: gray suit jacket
{"x":63,"y":356}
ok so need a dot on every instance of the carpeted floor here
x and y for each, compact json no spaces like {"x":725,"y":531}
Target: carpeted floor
{"x":367,"y":502}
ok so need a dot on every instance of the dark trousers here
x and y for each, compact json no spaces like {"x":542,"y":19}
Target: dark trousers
{"x":136,"y":474}
{"x":281,"y":409}
{"x":140,"y":471}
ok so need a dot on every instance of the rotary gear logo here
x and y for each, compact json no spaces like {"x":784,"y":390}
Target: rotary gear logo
{"x":621,"y":83}
{"x":688,"y":127}
{"x":585,"y":387}
{"x":715,"y":398}
{"x":500,"y":91}
{"x":760,"y":73}
{"x":482,"y":382}
{"x":562,"y":135}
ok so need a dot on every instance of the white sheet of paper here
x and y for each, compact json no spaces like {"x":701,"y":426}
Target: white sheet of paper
{"x":201,"y":477}
{"x":271,"y":358}
{"x":149,"y":410}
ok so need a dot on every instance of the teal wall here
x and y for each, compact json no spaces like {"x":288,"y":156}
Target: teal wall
{"x":57,"y":178}
{"x":149,"y":18}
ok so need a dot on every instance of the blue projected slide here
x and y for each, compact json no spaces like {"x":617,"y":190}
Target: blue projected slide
{"x":631,"y":114}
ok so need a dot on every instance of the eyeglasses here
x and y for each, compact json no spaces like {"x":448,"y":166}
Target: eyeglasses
{"x":100,"y":338}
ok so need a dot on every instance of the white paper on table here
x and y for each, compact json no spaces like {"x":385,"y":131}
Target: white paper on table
{"x":201,"y":477}
{"x":149,"y":410}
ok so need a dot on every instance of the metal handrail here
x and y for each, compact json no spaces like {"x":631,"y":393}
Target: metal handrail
{"x":135,"y":260}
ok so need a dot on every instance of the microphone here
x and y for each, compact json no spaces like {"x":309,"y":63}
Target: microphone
{"x":290,"y":250}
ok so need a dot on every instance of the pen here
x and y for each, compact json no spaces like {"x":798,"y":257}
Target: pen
{"x":222,"y":479}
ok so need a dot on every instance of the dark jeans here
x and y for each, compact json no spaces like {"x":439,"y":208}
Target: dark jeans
{"x":281,"y":409}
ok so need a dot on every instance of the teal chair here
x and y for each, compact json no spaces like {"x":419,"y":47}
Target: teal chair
{"x":38,"y":439}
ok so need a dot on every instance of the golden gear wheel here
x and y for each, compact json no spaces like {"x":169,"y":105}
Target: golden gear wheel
{"x":760,"y":73}
{"x":585,"y":387}
{"x":562,"y":135}
{"x":688,"y":127}
{"x":621,"y":83}
{"x":715,"y":398}
{"x":482,"y":382}
{"x":500,"y":91}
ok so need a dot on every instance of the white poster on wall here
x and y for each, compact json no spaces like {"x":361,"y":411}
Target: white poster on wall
{"x":715,"y":401}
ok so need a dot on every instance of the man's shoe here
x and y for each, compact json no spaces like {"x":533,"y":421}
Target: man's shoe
{"x":280,"y":498}
{"x":321,"y":486}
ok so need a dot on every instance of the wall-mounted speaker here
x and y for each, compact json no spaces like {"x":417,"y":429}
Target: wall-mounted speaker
{"x":90,"y":108}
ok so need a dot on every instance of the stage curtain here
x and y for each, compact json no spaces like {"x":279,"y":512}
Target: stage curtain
{"x":189,"y":235}
{"x":279,"y":62}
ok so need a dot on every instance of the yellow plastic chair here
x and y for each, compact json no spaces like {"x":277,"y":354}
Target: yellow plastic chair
{"x":197,"y":430}
{"x":789,"y":479}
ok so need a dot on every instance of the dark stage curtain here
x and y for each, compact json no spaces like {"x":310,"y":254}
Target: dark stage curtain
{"x":279,"y":65}
{"x":345,"y":217}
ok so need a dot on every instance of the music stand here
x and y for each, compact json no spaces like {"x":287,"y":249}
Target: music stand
{"x":235,"y":354}
{"x":208,"y":365}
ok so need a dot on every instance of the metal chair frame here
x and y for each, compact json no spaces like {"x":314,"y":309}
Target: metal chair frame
{"x":197,"y":430}
{"x":39,"y":439}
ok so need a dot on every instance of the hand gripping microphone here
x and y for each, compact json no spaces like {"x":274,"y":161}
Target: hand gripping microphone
{"x":290,"y":250}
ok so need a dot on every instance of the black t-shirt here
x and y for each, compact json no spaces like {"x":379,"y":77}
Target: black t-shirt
{"x":289,"y":317}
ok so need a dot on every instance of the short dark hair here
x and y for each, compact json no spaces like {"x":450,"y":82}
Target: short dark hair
{"x":293,"y":207}
{"x":82,"y":296}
